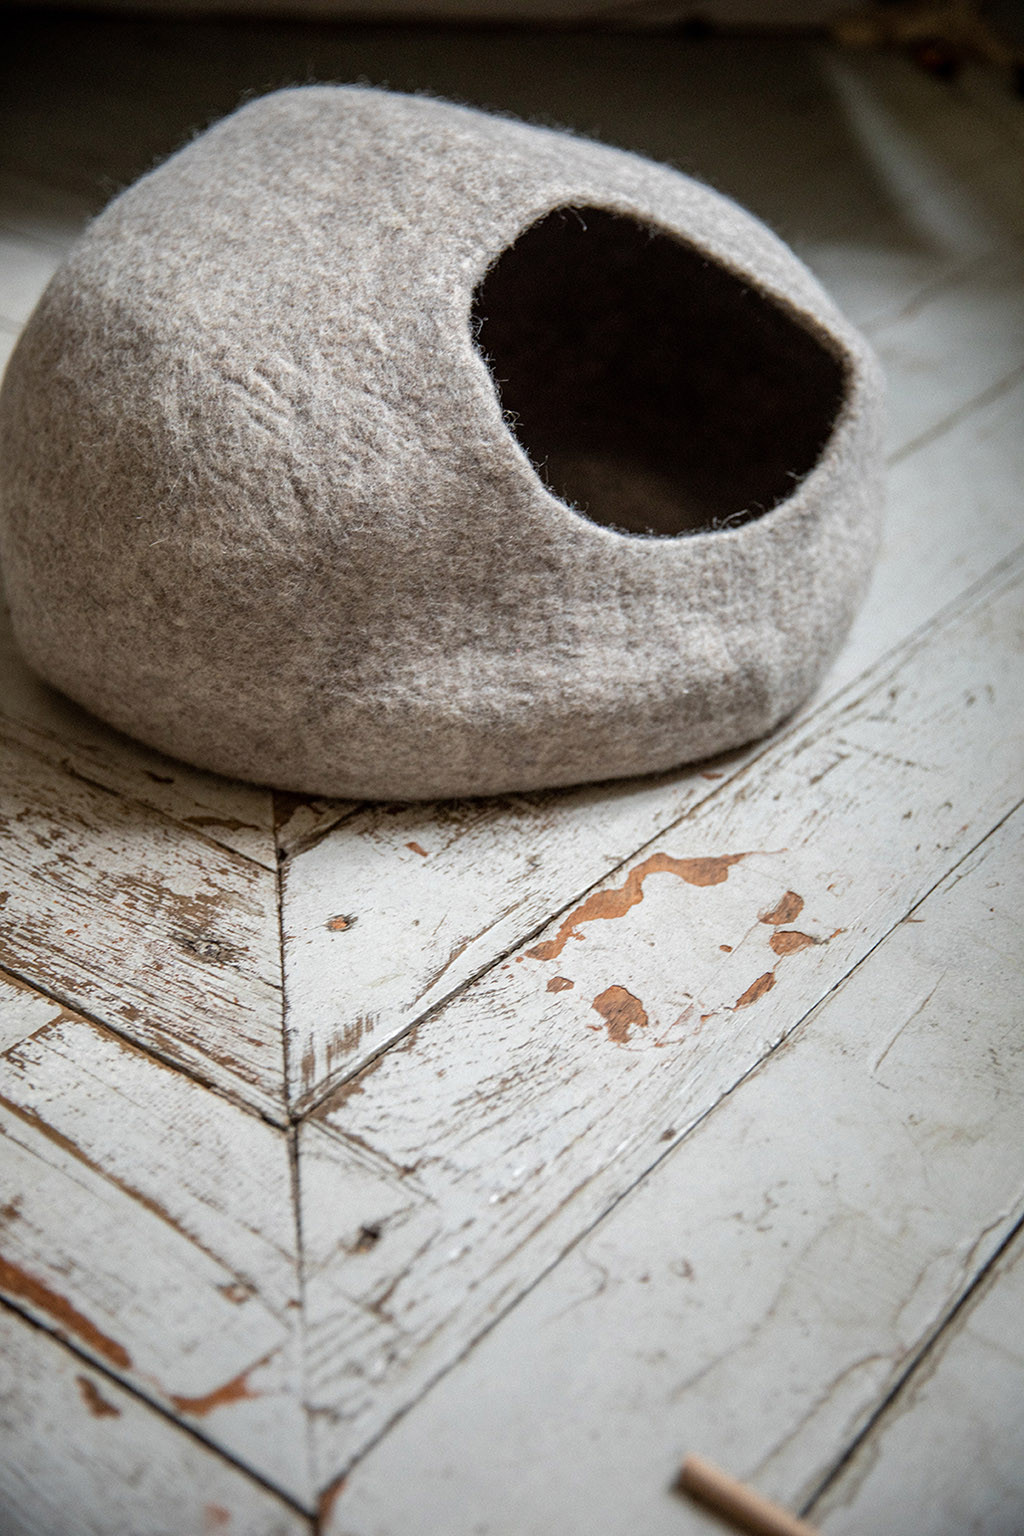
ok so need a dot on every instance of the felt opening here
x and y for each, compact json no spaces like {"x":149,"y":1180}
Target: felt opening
{"x":655,"y":391}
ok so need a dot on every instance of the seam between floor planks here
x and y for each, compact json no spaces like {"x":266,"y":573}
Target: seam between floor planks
{"x":962,"y":413}
{"x":915,"y":1362}
{"x":133,"y":1390}
{"x":950,"y":1446}
{"x":850,"y":692}
{"x":75,"y":1010}
{"x":300,"y":1259}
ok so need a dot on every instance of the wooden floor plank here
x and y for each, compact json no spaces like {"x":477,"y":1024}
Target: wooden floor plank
{"x":397,"y":908}
{"x":947,"y":350}
{"x":119,"y":913}
{"x":923,"y":187}
{"x":23,"y":1010}
{"x":79,"y":1454}
{"x":531,"y":1101}
{"x":238,"y":816}
{"x":756,"y":1297}
{"x":150,"y":1223}
{"x":952,"y":512}
{"x":948,"y":1452}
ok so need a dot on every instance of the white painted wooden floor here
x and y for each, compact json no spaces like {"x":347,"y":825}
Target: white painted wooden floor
{"x":488,"y":1202}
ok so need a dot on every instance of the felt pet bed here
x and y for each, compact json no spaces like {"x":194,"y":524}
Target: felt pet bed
{"x":373,"y":446}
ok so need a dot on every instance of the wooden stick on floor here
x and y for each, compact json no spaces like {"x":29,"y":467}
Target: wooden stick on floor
{"x":747,"y":1510}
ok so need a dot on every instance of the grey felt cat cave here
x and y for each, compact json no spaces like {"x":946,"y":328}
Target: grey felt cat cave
{"x":372,"y":446}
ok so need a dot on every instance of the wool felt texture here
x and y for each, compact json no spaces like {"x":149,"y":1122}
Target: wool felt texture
{"x":374,"y":446}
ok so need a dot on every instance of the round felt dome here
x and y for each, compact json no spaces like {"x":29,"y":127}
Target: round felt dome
{"x":373,"y":446}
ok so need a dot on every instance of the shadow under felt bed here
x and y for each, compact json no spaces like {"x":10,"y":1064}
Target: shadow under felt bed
{"x":655,"y":390}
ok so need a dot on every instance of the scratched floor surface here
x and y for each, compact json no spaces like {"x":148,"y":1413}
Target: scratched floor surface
{"x":391,"y":1171}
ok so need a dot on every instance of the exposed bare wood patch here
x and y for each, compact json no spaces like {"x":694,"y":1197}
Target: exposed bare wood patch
{"x":606,"y":905}
{"x":621,"y":1011}
{"x":786,"y":910}
{"x":99,"y":1406}
{"x":234,"y":1391}
{"x":788,"y":941}
{"x":20,"y":1284}
{"x":756,"y":990}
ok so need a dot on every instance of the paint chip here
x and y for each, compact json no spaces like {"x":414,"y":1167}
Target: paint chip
{"x":711,"y":870}
{"x":94,"y":1400}
{"x":621,"y":1012}
{"x":788,"y":941}
{"x":786,"y":910}
{"x":756,"y":989}
{"x":234,"y":1391}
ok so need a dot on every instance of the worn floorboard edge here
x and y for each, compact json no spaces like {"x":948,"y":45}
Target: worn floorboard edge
{"x":152,"y":1222}
{"x":667,"y":1350}
{"x":171,"y":938}
{"x":103,"y":1518}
